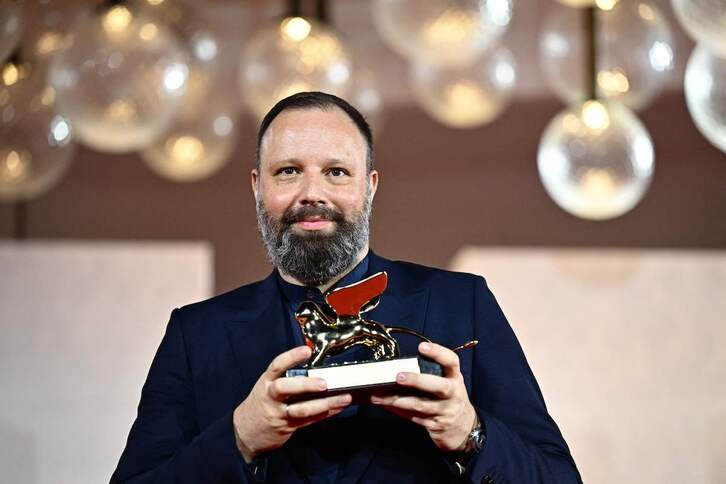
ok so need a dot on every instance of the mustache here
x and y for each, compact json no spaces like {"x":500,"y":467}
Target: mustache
{"x":292,"y":216}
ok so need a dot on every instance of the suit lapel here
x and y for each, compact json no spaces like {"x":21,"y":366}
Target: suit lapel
{"x":258,"y":333}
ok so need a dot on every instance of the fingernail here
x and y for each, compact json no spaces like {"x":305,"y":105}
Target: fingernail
{"x":322,"y":384}
{"x":375,"y":399}
{"x":401,"y":377}
{"x":425,"y":347}
{"x":344,"y":399}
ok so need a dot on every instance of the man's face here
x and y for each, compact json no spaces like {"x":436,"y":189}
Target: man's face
{"x":313,"y":193}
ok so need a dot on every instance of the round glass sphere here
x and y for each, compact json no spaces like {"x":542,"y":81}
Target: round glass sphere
{"x":596,"y":160}
{"x":10,"y":28}
{"x":441,"y":32}
{"x":705,"y":89}
{"x":122,"y":80}
{"x":467,"y":96}
{"x":36,"y":143}
{"x":705,"y":22}
{"x":196,"y":147}
{"x":635,"y":53}
{"x":295,"y":55}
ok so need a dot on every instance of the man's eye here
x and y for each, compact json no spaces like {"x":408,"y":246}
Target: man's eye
{"x":287,"y":171}
{"x":336,"y":172}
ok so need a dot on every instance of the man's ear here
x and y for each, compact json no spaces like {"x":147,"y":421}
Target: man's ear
{"x":373,"y":182}
{"x":254,"y":180}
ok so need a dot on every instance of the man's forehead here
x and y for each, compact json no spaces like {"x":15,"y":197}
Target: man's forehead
{"x":311,"y":130}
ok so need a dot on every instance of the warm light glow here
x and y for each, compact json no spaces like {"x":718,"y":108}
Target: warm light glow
{"x":117,"y":19}
{"x":595,"y":115}
{"x":11,"y":73}
{"x":598,"y":183}
{"x":295,"y":29}
{"x":14,"y":167}
{"x":121,"y":110}
{"x":48,"y":43}
{"x":47,"y":97}
{"x":154,"y":2}
{"x":185,"y":150}
{"x":613,"y":81}
{"x":452,"y":26}
{"x":606,"y":4}
{"x":148,"y":32}
{"x":646,"y":12}
{"x":467,"y":104}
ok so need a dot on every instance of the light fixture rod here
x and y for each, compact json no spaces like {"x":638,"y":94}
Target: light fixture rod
{"x":591,"y":51}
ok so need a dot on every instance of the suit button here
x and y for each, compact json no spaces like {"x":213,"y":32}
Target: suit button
{"x":487,"y":480}
{"x":311,"y":294}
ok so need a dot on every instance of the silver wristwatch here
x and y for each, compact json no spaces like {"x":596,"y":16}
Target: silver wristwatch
{"x":477,"y":438}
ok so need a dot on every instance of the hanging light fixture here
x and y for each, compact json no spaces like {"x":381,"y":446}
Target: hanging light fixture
{"x":595,"y":158}
{"x":294,"y":55}
{"x":122,"y":79}
{"x":10,"y":28}
{"x":36,"y":143}
{"x":635,"y":53}
{"x":467,"y":96}
{"x":705,"y":22}
{"x":705,"y":89}
{"x":441,"y":32}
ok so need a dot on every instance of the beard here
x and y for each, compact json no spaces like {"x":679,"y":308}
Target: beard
{"x":314,"y":258}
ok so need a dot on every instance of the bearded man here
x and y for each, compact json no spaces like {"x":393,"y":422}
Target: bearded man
{"x":217,"y":407}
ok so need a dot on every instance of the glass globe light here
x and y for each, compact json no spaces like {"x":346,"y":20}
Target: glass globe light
{"x":705,"y":89}
{"x":595,"y":160}
{"x":468,"y":96}
{"x":635,"y":53}
{"x":36,"y":144}
{"x":705,"y":22}
{"x":196,"y":147}
{"x":10,"y":28}
{"x":121,"y":81}
{"x":441,"y":32}
{"x":295,"y":55}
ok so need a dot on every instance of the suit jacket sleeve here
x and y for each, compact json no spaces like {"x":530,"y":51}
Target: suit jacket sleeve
{"x":524,"y":445}
{"x":165,"y":444}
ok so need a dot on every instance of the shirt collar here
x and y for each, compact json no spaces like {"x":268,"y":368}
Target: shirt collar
{"x":295,"y":294}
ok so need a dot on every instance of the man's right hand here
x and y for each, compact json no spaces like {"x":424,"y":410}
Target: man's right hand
{"x":264,"y":421}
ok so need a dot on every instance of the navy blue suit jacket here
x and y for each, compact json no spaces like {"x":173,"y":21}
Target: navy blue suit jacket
{"x":214,"y":351}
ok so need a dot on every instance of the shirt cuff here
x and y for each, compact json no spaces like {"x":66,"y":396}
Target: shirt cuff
{"x":256,"y":470}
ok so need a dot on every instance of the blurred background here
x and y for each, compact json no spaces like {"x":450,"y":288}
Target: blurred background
{"x":572,"y":144}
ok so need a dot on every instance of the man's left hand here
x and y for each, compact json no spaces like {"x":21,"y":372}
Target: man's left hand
{"x":447,"y":414}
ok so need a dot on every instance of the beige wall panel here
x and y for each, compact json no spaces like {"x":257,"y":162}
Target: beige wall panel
{"x":79,"y":325}
{"x":629,"y":348}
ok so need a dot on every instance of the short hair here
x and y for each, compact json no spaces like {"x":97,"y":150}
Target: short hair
{"x":316,"y":100}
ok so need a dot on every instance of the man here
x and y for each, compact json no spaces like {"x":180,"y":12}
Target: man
{"x":216,"y":406}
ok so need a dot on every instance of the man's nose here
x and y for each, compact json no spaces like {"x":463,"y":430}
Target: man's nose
{"x":312,"y":191}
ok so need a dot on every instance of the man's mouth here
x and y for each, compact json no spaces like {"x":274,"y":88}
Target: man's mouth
{"x":313,"y":223}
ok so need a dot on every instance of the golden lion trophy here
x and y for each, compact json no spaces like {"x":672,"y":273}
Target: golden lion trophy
{"x":338,"y":324}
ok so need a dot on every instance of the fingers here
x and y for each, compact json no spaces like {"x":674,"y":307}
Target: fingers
{"x":443,"y":356}
{"x":283,"y":388}
{"x":435,"y":385}
{"x":287,"y":360}
{"x":319,"y":407}
{"x":409,"y":406}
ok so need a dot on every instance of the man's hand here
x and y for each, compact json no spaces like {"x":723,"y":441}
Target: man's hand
{"x":264,"y":421}
{"x":447,"y":415}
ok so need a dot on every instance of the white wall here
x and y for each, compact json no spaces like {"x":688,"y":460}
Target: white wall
{"x":629,"y":348}
{"x":79,"y":325}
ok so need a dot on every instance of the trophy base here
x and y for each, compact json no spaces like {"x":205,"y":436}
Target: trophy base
{"x":361,"y":379}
